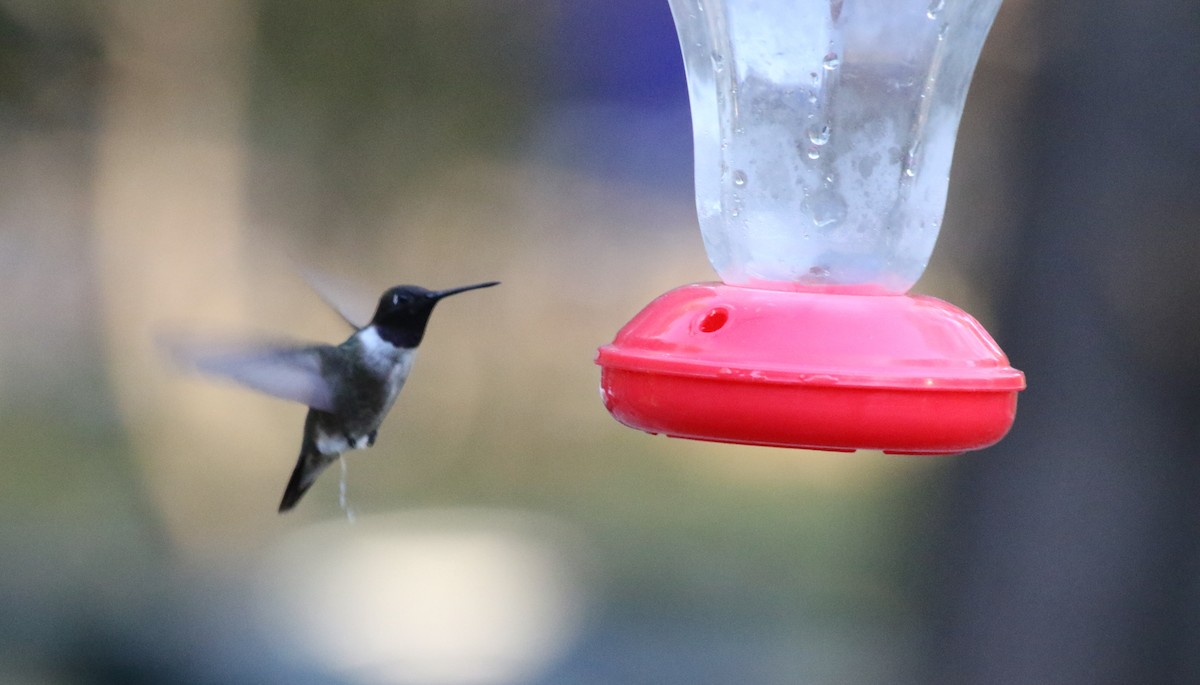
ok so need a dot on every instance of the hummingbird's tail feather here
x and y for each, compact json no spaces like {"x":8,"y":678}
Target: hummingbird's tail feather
{"x":310,"y":465}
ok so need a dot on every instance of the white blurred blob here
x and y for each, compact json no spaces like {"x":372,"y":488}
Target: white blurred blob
{"x":436,"y":597}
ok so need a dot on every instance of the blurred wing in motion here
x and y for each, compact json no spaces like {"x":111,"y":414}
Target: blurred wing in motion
{"x":354,"y":307}
{"x":287,"y":372}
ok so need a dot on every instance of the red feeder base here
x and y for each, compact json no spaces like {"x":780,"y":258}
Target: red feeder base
{"x":902,"y":374}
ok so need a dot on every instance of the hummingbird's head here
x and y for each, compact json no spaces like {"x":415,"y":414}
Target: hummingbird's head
{"x":404,"y":310}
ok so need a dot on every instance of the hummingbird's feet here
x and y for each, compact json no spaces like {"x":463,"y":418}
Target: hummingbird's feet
{"x":357,"y":443}
{"x":361,"y":442}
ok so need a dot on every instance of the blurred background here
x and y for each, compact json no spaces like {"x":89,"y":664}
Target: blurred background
{"x":163,"y":166}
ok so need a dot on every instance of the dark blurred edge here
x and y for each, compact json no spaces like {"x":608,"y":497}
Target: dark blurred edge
{"x":1069,"y":552}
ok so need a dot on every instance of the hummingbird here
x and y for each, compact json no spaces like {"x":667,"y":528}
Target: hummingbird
{"x":348,"y":388}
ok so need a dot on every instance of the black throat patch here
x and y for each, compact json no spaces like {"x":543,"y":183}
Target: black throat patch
{"x":402,"y":336}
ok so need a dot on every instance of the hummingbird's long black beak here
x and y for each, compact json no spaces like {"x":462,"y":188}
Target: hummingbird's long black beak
{"x":462,"y":289}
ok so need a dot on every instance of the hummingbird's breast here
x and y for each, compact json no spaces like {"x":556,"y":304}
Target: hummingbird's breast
{"x":381,"y":356}
{"x":370,"y":372}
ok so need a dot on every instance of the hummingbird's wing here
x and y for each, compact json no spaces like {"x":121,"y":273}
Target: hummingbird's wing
{"x":287,"y":372}
{"x":354,"y":308}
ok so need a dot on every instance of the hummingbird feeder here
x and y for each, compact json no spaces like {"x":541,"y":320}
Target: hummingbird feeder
{"x":823,"y":133}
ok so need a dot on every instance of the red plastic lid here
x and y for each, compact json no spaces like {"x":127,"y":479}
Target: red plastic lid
{"x":891,"y":372}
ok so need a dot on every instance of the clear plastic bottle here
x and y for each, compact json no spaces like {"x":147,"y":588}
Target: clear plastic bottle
{"x":824,"y":132}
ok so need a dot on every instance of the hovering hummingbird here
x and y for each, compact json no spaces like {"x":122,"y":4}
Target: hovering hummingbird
{"x":349,"y":388}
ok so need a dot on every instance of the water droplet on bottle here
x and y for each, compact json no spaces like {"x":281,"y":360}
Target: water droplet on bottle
{"x":935,"y":8}
{"x":718,"y":60}
{"x":831,"y":61}
{"x":814,"y":153}
{"x":910,"y":164}
{"x":819,"y":135}
{"x":739,"y":178}
{"x":942,"y":30}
